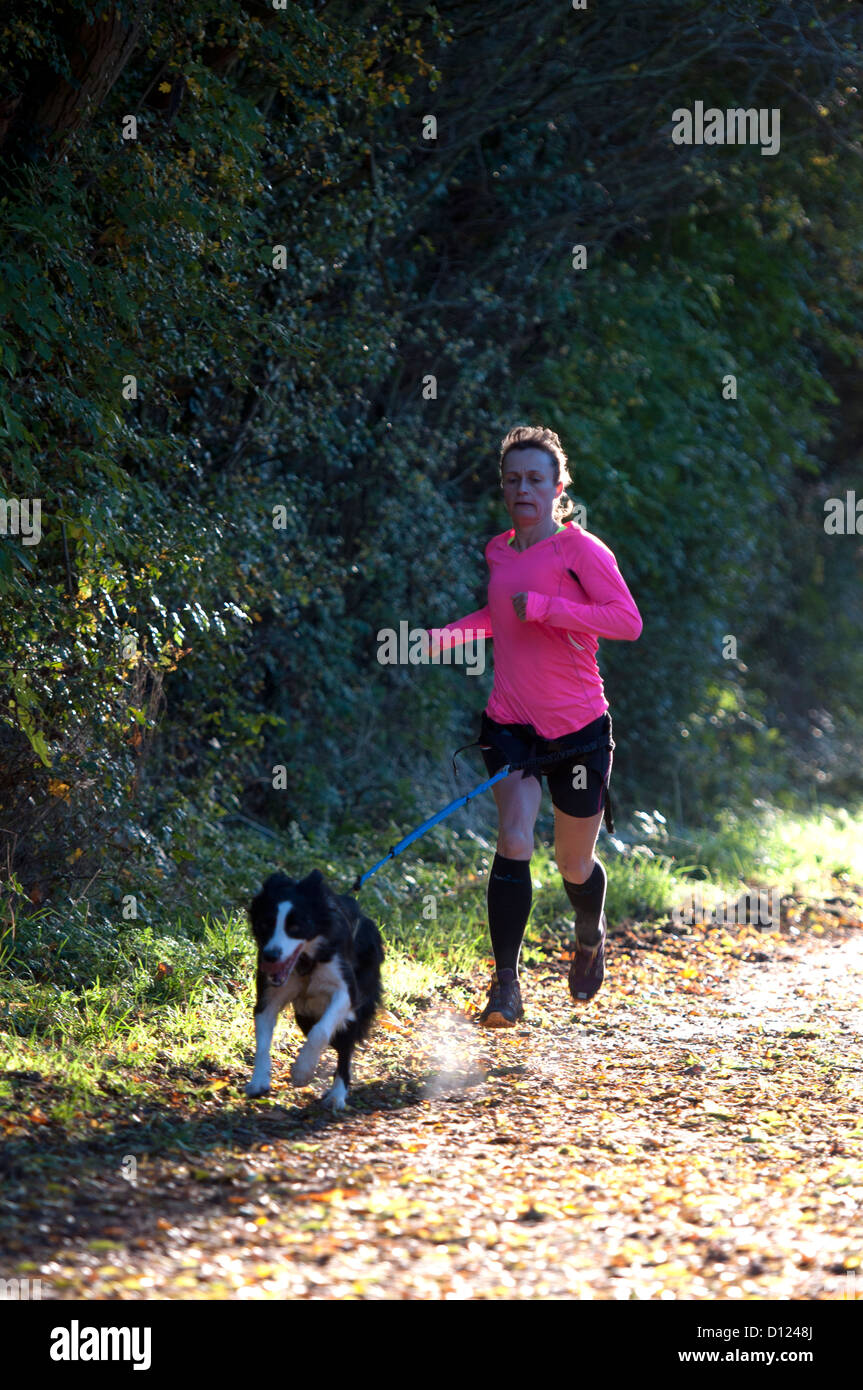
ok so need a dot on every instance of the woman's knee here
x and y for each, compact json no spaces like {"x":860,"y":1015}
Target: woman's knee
{"x":575,"y":845}
{"x":514,"y":842}
{"x":574,"y":868}
{"x":518,"y":802}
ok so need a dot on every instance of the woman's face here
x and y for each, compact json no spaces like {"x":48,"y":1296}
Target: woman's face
{"x":529,"y":487}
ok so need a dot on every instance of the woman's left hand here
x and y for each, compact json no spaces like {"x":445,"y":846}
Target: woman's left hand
{"x":519,"y":603}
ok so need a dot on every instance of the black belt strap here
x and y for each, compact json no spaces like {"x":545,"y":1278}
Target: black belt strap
{"x":497,"y":738}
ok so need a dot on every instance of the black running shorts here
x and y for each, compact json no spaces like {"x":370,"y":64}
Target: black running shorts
{"x":578,"y":785}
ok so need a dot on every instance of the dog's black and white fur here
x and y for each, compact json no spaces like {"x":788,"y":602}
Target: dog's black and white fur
{"x":317,"y":951}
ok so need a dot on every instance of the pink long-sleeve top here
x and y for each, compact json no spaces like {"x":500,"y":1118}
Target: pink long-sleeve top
{"x":545,"y":668}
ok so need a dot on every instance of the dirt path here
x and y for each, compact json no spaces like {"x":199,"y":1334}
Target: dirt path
{"x":695,"y":1132}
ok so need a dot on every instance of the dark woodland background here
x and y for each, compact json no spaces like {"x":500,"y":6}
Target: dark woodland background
{"x":164,"y":646}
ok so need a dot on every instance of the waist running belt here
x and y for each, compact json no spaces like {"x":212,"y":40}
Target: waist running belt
{"x":520,"y":745}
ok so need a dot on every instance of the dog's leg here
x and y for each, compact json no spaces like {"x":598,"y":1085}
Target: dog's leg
{"x":265,"y":1022}
{"x":337,"y":1094}
{"x":337,"y":1012}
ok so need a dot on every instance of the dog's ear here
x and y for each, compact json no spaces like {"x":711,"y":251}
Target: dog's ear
{"x":315,"y":882}
{"x":277,"y":884}
{"x":320,"y":891}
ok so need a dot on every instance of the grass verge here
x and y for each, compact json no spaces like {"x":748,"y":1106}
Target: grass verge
{"x":95,"y":1004}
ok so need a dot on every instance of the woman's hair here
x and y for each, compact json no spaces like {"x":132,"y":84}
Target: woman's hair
{"x":539,"y":437}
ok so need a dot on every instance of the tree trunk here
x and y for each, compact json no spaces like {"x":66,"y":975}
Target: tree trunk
{"x":51,"y":110}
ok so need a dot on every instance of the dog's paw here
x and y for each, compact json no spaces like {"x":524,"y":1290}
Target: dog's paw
{"x":258,"y":1086}
{"x":304,"y":1068}
{"x":335,"y":1097}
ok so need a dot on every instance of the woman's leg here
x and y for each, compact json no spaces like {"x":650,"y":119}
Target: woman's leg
{"x":585,"y":881}
{"x":574,"y":843}
{"x":582,"y":873}
{"x":518,"y":801}
{"x":509,"y":895}
{"x":509,"y":886}
{"x":578,"y":796}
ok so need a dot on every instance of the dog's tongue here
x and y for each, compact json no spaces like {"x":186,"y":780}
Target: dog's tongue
{"x":280,"y":970}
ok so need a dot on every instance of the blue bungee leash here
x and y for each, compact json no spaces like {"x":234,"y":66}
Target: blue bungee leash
{"x":523,"y":765}
{"x":427,"y":825}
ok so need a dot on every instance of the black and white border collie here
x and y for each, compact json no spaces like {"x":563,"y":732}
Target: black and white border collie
{"x":317,"y":951}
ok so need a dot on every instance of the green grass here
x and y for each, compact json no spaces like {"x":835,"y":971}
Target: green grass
{"x":91,"y":1001}
{"x":797,"y":854}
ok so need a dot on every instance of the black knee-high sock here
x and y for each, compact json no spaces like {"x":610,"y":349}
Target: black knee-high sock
{"x":510,"y":892}
{"x":588,"y":899}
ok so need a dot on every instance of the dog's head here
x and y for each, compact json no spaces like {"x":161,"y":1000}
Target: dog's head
{"x":286,"y":916}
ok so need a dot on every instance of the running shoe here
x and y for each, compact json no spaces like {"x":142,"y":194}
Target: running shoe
{"x":587,"y":971}
{"x":504,"y":1008}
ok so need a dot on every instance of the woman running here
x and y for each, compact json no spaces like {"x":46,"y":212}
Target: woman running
{"x":553,"y":590}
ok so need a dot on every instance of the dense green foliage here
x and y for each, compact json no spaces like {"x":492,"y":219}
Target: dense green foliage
{"x":166,"y":645}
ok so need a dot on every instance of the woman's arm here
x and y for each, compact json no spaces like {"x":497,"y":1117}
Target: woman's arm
{"x":611,"y":611}
{"x":478,"y":623}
